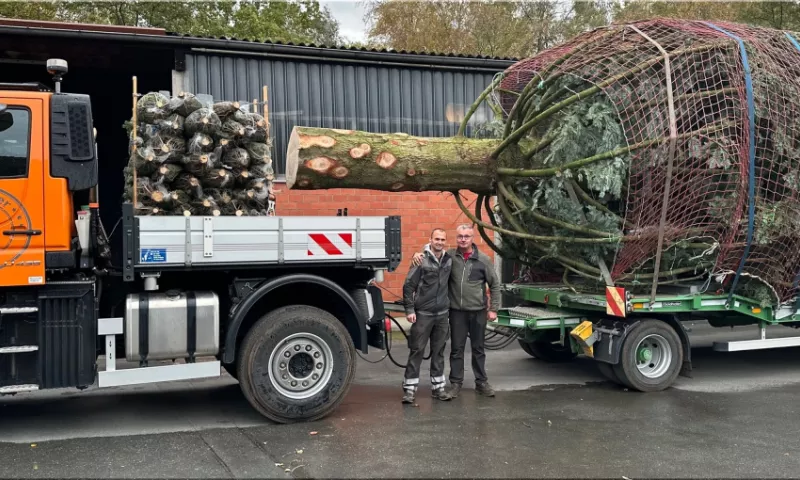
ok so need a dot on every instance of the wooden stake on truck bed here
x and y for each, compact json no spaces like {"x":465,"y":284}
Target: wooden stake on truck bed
{"x":135,"y":186}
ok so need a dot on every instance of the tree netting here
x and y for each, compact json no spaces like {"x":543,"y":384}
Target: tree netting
{"x":662,"y":149}
{"x":197,"y":157}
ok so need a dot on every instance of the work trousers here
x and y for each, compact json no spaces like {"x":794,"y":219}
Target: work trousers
{"x":427,"y":327}
{"x":462,"y":324}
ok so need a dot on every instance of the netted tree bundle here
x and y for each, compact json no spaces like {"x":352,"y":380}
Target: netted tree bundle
{"x":196,"y":157}
{"x":662,"y":149}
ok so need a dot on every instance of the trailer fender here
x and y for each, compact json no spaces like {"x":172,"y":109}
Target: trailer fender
{"x":241,"y":310}
{"x":686,"y":368}
{"x":611,"y":334}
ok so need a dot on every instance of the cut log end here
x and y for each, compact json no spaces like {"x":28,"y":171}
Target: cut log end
{"x":360,"y":151}
{"x":320,"y":164}
{"x":340,"y":172}
{"x":324,"y":141}
{"x":386,"y":160}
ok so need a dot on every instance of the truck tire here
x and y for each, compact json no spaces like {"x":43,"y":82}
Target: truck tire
{"x":296,"y":364}
{"x":651,"y":357}
{"x":232,"y":370}
{"x":549,"y":352}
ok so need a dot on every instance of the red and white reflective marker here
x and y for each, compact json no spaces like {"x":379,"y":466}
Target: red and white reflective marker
{"x":330,"y":244}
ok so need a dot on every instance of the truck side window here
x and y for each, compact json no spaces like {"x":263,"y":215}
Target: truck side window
{"x":15,"y":125}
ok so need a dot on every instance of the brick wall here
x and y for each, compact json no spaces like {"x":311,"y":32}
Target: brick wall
{"x":419,"y":212}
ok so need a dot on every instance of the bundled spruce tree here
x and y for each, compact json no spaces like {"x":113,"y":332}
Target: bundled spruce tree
{"x":657,"y":152}
{"x":193,"y":158}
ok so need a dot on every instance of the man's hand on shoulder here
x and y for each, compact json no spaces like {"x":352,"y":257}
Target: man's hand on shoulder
{"x":416,"y":260}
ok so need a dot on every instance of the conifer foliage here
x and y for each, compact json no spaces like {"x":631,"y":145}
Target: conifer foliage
{"x":642,"y":155}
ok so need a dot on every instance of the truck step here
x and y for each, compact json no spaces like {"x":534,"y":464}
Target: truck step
{"x":17,"y":310}
{"x":18,"y":389}
{"x":19,"y":349}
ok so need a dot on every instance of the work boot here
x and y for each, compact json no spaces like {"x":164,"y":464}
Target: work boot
{"x":484,"y":389}
{"x":441,"y":394}
{"x":408,"y":396}
{"x":454,"y":389}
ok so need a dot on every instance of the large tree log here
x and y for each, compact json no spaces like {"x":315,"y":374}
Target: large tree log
{"x":321,"y":158}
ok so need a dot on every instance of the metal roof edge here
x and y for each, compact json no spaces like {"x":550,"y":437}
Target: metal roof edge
{"x":330,"y":53}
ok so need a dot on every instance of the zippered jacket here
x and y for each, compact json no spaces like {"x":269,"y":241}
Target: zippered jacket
{"x":468,"y":281}
{"x":425,"y":289}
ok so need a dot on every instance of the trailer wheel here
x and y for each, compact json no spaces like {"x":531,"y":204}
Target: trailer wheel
{"x":549,"y":351}
{"x":526,"y":348}
{"x":607,"y":370}
{"x":651,"y":357}
{"x":296,"y":364}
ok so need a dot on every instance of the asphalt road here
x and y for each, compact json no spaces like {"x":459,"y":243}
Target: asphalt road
{"x":736,"y":418}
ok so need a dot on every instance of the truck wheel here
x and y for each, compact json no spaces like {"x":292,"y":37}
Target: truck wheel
{"x":231,"y":369}
{"x":651,"y":357}
{"x":549,"y":352}
{"x":607,"y":370}
{"x":296,"y":364}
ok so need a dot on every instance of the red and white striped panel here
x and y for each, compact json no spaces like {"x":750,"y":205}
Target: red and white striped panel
{"x":330,"y":244}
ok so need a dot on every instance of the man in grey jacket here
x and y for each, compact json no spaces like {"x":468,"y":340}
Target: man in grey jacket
{"x":425,"y":295}
{"x":472,"y":271}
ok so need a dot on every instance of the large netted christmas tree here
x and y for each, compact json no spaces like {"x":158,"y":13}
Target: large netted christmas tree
{"x":661,"y":152}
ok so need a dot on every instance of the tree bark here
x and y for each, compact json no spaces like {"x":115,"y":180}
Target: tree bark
{"x":321,"y":158}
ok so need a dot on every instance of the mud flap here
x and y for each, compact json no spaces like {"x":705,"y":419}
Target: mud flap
{"x":375,"y":323}
{"x":610,"y":334}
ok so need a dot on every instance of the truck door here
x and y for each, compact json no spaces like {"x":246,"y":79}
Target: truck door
{"x":21,"y":192}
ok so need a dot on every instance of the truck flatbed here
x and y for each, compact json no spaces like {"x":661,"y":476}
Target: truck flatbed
{"x":176,"y":242}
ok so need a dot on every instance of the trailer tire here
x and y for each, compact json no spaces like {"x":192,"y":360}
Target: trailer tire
{"x":607,"y":370}
{"x":549,"y":352}
{"x":526,"y":348}
{"x":318,"y":370}
{"x":651,"y":357}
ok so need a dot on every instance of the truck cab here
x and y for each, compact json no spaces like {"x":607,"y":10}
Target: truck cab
{"x":42,"y":161}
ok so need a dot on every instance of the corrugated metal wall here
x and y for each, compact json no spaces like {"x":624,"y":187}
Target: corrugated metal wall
{"x":417,"y":101}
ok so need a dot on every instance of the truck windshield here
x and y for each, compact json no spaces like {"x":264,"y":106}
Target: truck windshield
{"x":15,"y":126}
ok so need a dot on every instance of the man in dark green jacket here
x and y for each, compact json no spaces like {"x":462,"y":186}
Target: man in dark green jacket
{"x":425,"y":295}
{"x":469,"y":309}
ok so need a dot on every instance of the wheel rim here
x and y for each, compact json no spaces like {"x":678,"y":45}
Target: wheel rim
{"x":653,"y":356}
{"x":300,"y":366}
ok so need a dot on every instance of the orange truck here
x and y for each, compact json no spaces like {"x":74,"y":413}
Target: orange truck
{"x":191,"y":296}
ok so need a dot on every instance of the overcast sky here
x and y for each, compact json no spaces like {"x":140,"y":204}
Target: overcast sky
{"x":350,"y":15}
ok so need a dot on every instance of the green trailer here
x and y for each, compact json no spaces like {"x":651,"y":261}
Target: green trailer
{"x":638,"y":341}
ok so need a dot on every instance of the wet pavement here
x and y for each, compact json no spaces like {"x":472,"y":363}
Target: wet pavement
{"x":736,"y":418}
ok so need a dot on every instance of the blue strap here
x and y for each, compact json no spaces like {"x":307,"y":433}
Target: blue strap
{"x":751,"y":113}
{"x":797,"y":277}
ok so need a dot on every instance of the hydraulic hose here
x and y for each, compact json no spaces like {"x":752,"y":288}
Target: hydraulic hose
{"x":490,"y":342}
